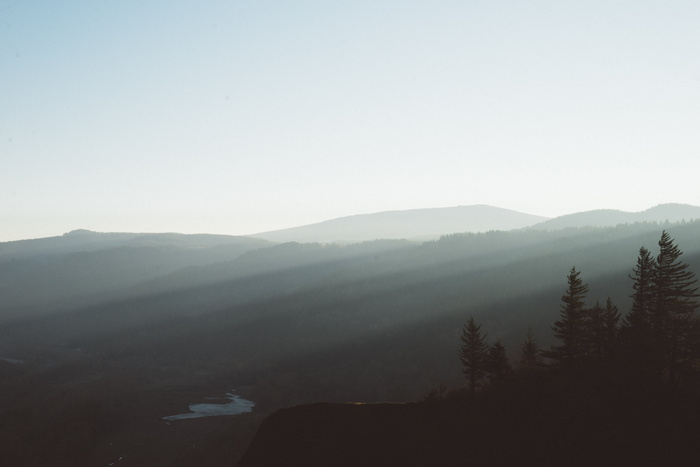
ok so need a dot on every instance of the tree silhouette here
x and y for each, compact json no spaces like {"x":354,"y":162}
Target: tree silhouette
{"x":530,"y":354}
{"x":673,"y":317}
{"x":474,"y":354}
{"x":498,"y":363}
{"x":611,"y":318}
{"x":602,"y":329}
{"x":643,"y":297}
{"x":635,"y":331}
{"x":572,"y":328}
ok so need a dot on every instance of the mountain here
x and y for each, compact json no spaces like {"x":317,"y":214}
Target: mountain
{"x":85,"y":241}
{"x":417,"y":224}
{"x":130,"y":335}
{"x":610,"y":217}
{"x":82,"y":266}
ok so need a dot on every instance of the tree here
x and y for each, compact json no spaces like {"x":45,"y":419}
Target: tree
{"x":635,"y":331}
{"x":572,"y":328}
{"x":474,"y":354}
{"x":673,"y":319}
{"x":595,"y":323}
{"x":643,"y":297}
{"x":602,"y":329}
{"x":530,"y":355}
{"x":611,"y":318}
{"x":498,"y":363}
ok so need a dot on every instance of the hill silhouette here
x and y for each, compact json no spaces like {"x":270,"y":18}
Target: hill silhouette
{"x":611,"y":217}
{"x":546,"y":418}
{"x":284,"y":324}
{"x":83,"y":267}
{"x":417,"y":224}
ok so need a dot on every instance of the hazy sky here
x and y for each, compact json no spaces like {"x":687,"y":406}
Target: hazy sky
{"x":243,"y":116}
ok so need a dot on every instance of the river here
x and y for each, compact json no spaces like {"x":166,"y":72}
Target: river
{"x":237,"y":405}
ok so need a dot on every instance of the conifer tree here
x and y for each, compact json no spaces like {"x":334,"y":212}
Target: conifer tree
{"x":673,"y":319}
{"x":474,"y":354}
{"x":635,"y":331}
{"x":596,"y":332}
{"x":643,"y":296}
{"x":498,"y":363}
{"x":572,"y":328}
{"x":530,"y":355}
{"x":611,"y":318}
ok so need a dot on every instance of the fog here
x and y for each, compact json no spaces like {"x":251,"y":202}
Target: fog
{"x":111,"y":328}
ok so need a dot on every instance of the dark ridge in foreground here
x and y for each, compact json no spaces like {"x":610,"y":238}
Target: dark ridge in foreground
{"x":541,"y":419}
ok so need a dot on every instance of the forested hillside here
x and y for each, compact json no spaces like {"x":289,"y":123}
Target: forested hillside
{"x":614,"y":389}
{"x":296,"y":323}
{"x":82,"y":267}
{"x":671,"y":212}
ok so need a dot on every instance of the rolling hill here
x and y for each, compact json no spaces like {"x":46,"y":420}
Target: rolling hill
{"x":413,"y":224}
{"x":112,"y":328}
{"x":611,"y":217}
{"x":83,"y":267}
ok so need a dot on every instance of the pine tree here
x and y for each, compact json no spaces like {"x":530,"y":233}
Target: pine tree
{"x":474,"y":354}
{"x":596,"y":332}
{"x":635,"y":331}
{"x":643,"y":296}
{"x":673,"y":319}
{"x":498,"y":363}
{"x":530,"y":355}
{"x":572,"y":328}
{"x":611,"y":318}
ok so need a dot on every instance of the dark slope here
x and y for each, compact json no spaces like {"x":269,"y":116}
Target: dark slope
{"x":409,"y":224}
{"x":610,"y":217}
{"x":600,"y":418}
{"x":296,"y":324}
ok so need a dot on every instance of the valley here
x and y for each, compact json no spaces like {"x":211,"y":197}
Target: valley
{"x":102,"y":336}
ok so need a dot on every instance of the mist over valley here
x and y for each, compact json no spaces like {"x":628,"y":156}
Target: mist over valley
{"x":114,"y":331}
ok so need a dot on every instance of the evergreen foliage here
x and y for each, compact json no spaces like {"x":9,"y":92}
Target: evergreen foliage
{"x":673,"y":317}
{"x":596,"y":332}
{"x":661,"y":333}
{"x":611,"y":318}
{"x":499,"y":364}
{"x":474,"y":354}
{"x":603,"y":329}
{"x":530,"y":354}
{"x":635,"y":331}
{"x":643,"y":296}
{"x":572,"y":329}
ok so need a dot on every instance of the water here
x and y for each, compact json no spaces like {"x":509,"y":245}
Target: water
{"x":237,"y":406}
{"x":14,"y":361}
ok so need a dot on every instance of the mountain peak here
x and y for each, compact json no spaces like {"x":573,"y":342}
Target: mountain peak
{"x":676,"y":208}
{"x":420,"y":224}
{"x":79,"y":232}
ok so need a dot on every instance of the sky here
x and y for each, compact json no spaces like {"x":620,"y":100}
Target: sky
{"x":238,"y":117}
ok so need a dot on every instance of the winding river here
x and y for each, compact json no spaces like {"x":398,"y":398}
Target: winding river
{"x":237,"y":405}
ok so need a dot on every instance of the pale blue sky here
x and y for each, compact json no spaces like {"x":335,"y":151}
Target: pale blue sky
{"x":239,"y":117}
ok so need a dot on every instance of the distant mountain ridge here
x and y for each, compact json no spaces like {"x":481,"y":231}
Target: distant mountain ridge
{"x":84,"y":241}
{"x":293,"y":323}
{"x":412,"y":224}
{"x":671,"y":212}
{"x":41,"y":274}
